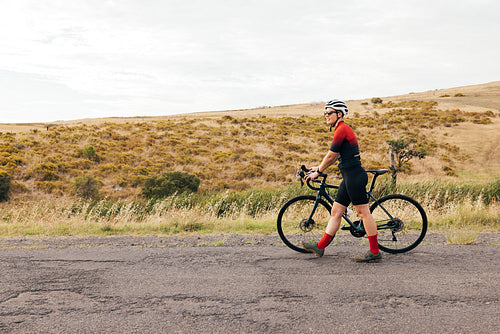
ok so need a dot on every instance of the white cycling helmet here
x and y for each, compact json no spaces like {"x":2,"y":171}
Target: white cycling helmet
{"x":338,"y":106}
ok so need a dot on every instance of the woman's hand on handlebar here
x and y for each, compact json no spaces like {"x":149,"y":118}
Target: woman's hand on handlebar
{"x":312,"y":175}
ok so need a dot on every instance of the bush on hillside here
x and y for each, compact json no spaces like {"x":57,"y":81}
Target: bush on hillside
{"x":86,"y":187}
{"x":88,"y":152}
{"x":5,"y":180}
{"x":166,"y":184}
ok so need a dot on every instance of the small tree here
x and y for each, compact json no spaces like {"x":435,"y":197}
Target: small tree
{"x":401,"y":152}
{"x":88,"y":152}
{"x":5,"y":180}
{"x":166,"y":184}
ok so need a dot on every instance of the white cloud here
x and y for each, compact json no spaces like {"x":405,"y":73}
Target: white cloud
{"x":93,"y":58}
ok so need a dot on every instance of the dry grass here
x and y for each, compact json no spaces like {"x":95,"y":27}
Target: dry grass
{"x":459,"y":215}
{"x":461,"y":238}
{"x":63,"y":216}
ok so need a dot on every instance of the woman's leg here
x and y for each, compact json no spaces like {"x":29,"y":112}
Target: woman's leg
{"x":333,"y":225}
{"x":371,"y":231}
{"x":363,"y":212}
{"x":330,"y":231}
{"x":335,"y":219}
{"x":336,"y":216}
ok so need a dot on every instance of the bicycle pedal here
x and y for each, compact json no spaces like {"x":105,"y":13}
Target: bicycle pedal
{"x":345,"y":228}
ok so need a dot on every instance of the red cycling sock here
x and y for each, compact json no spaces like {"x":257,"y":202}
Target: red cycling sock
{"x":372,"y":239}
{"x":325,"y":241}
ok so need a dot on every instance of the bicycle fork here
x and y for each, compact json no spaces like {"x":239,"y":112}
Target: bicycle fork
{"x":313,"y":211}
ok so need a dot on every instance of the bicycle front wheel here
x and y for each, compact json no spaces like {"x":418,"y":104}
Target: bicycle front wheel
{"x":406,"y":226}
{"x":295,"y":224}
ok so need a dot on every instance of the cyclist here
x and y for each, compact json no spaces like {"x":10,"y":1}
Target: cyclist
{"x":345,"y":149}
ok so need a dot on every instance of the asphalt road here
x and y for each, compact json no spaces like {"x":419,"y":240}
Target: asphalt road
{"x":257,"y":287}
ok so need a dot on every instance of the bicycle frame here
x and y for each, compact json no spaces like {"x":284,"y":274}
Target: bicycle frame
{"x":322,"y":192}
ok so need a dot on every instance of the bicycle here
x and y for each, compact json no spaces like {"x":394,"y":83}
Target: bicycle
{"x":401,"y":220}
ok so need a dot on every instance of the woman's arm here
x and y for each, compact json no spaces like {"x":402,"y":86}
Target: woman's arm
{"x":328,"y":160}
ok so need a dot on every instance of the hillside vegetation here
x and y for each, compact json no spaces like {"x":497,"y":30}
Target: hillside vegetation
{"x":225,"y":153}
{"x":241,"y":151}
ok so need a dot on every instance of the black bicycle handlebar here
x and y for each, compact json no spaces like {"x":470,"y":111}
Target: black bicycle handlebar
{"x":304,"y":171}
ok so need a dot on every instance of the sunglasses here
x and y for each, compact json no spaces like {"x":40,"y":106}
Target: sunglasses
{"x":329,"y":112}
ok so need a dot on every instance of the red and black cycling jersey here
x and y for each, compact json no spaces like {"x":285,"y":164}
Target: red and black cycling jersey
{"x":346,"y":144}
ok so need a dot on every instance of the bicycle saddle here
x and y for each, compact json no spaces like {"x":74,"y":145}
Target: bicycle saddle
{"x":377,"y":171}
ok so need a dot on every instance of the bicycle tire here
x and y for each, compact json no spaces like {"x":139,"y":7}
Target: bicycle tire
{"x":410,"y":222}
{"x":294,"y":225}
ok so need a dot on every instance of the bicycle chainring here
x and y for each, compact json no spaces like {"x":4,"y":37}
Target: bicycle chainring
{"x":357,"y":233}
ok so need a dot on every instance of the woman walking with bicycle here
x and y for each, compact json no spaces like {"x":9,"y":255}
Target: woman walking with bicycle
{"x":345,"y":149}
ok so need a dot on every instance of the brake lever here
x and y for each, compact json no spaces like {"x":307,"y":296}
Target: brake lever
{"x":301,"y":175}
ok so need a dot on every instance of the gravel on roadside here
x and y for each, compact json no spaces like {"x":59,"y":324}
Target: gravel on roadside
{"x":204,"y":240}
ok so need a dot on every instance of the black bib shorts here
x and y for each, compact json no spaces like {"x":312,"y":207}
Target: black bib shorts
{"x":353,"y":187}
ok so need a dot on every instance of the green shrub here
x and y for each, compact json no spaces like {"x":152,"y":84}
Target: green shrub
{"x":376,"y":100}
{"x":165,"y":184}
{"x":5,"y":180}
{"x":88,"y":152}
{"x":86,"y":187}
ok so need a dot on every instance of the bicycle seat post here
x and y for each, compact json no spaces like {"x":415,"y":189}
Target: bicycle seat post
{"x":376,"y":174}
{"x":372,"y":185}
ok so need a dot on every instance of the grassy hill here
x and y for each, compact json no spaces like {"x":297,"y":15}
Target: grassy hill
{"x":236,"y":149}
{"x":258,"y":148}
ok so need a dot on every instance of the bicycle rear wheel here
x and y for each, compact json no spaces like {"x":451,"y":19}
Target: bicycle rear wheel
{"x":407,"y":227}
{"x":296,"y":226}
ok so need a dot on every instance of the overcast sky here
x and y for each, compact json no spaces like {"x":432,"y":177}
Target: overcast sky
{"x":63,"y":60}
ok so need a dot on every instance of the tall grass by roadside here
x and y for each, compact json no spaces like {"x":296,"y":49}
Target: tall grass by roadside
{"x":449,"y":207}
{"x":438,"y":194}
{"x":453,"y":206}
{"x":239,"y":212}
